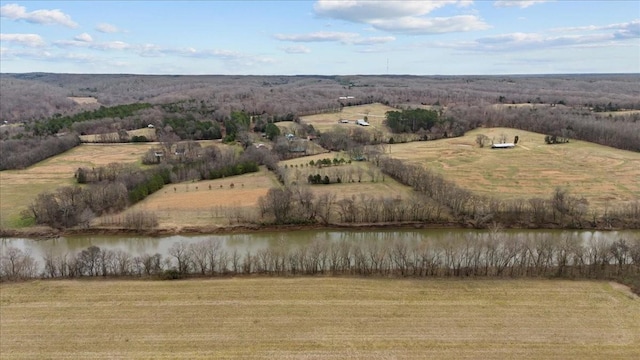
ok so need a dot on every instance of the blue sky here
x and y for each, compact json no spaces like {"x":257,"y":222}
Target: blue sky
{"x":320,"y":37}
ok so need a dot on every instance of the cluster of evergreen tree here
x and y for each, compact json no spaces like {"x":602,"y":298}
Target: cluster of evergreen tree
{"x":189,"y":127}
{"x":318,"y":179}
{"x":54,"y":125}
{"x":411,"y":120}
{"x":150,"y":183}
{"x":234,"y":169}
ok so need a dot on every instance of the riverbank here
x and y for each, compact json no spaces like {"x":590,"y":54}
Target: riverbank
{"x":43,"y":232}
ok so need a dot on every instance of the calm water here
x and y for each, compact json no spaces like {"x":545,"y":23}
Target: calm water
{"x":138,"y":245}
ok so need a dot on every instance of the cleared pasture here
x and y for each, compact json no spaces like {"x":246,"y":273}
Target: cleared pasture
{"x":209,"y":202}
{"x":19,"y":187}
{"x":375,"y":114}
{"x":149,"y":133}
{"x":84,"y":100}
{"x":605,"y":176}
{"x":372,"y":182}
{"x":318,"y":318}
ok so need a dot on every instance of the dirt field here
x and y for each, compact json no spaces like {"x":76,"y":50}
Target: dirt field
{"x":19,"y":187}
{"x":318,"y":318}
{"x":604,"y":176}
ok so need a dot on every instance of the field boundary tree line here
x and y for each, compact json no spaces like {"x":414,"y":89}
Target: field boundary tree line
{"x":22,"y":153}
{"x":492,"y":255}
{"x":115,"y":187}
{"x":71,"y":206}
{"x":561,"y":209}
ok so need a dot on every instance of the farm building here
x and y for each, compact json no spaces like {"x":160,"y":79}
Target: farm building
{"x":361,"y":122}
{"x":503,"y":146}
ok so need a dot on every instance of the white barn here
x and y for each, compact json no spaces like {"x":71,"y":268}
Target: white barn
{"x":503,"y":146}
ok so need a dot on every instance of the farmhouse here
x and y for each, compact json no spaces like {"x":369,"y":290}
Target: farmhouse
{"x":503,"y":146}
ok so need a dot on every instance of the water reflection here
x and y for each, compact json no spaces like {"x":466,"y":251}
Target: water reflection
{"x":253,"y":242}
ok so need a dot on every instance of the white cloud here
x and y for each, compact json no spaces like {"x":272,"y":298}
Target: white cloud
{"x":112,"y":45}
{"x":230,"y":58}
{"x":78,"y":57}
{"x":45,"y":17}
{"x":517,"y":3}
{"x":365,"y":11}
{"x":107,"y":28}
{"x":83,"y":37}
{"x":622,"y":30}
{"x":590,"y":37}
{"x":401,"y":16}
{"x":341,"y":37}
{"x":439,"y":25}
{"x":30,"y":40}
{"x":108,"y":45}
{"x":296,"y":49}
{"x":321,"y":36}
{"x":18,"y":54}
{"x":149,"y":50}
{"x":375,"y":40}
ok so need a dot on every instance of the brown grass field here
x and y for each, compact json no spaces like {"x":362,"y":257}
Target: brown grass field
{"x":19,"y":187}
{"x":375,"y":114}
{"x":603,"y":175}
{"x":318,"y":318}
{"x":84,"y":100}
{"x":147,"y":132}
{"x":387,"y":188}
{"x":209,"y":202}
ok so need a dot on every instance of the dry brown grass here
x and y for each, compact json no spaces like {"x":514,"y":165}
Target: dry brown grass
{"x":149,"y":133}
{"x":84,"y":100}
{"x":19,"y":187}
{"x":387,"y":188}
{"x":604,"y":176}
{"x":210,"y":202}
{"x":375,"y":114}
{"x":318,"y":318}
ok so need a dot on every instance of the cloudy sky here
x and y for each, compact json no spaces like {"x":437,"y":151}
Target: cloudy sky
{"x":320,"y":37}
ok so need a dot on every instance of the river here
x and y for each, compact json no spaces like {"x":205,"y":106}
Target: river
{"x":255,"y":241}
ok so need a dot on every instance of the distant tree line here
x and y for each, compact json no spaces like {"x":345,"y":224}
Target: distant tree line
{"x":224,"y":107}
{"x":622,"y":132}
{"x":491,"y":255}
